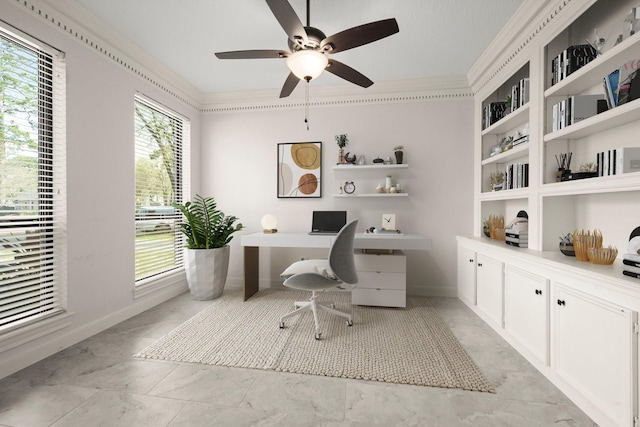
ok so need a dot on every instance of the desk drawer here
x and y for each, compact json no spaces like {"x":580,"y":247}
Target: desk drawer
{"x":378,"y":280}
{"x":379,"y":297}
{"x":396,"y":262}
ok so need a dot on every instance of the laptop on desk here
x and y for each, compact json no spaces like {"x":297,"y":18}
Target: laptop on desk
{"x":327,"y":222}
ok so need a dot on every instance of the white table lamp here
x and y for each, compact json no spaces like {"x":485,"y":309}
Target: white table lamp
{"x":269,"y":223}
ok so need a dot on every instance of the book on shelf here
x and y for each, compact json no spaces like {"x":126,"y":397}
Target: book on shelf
{"x":622,"y":85}
{"x":516,"y":175}
{"x":575,"y":109}
{"x":628,"y":83}
{"x":519,"y":94}
{"x":632,"y":269}
{"x":493,"y":112}
{"x":570,"y":60}
{"x":517,"y":244}
{"x":631,"y":263}
{"x":611,"y":85}
{"x":631,"y":274}
{"x":618,"y":161}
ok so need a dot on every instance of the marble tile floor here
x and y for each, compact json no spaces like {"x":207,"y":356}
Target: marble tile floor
{"x":97,"y":382}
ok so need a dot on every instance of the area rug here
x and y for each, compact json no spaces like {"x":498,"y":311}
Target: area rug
{"x":409,"y":345}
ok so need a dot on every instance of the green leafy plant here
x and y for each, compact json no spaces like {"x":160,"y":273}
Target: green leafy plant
{"x":206,"y":227}
{"x":342,"y":140}
{"x":398,"y":148}
{"x":566,"y":239}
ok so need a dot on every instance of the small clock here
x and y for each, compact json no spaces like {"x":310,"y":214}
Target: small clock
{"x":349,"y":187}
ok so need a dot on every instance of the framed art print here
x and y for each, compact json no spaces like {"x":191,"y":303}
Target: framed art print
{"x":300,"y":170}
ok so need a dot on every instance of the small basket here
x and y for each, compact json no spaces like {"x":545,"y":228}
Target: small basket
{"x":583,"y":241}
{"x":604,"y":256}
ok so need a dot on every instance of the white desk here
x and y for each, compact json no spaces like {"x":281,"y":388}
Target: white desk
{"x":253,"y":242}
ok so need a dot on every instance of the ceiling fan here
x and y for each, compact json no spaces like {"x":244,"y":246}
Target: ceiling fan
{"x":309,"y":47}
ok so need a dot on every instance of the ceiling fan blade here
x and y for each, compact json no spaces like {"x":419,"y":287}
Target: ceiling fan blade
{"x":361,"y":35}
{"x":289,"y":85}
{"x":288,"y":20}
{"x":348,"y":73}
{"x":252,"y":54}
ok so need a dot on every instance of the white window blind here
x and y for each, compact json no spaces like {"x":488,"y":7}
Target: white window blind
{"x":32,"y":180}
{"x":161,"y":180}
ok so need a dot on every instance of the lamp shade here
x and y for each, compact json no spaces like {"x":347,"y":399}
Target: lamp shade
{"x":269,"y":223}
{"x":307,"y":64}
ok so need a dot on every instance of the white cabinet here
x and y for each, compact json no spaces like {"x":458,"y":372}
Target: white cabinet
{"x":527,"y":311}
{"x":593,"y":349}
{"x":382,"y":280}
{"x":489,"y":288}
{"x":467,"y":275}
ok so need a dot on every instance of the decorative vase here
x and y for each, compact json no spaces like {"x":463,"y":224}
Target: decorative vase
{"x":388,"y":183}
{"x":341,"y":156}
{"x":567,"y":249}
{"x":206,"y":271}
{"x":399,"y":155}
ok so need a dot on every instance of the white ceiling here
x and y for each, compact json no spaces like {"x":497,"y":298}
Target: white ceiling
{"x":436,"y":38}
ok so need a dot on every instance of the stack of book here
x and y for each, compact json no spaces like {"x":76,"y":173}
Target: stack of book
{"x":515,"y":237}
{"x":618,"y":161}
{"x":493,"y":112}
{"x":631,"y":260}
{"x":575,"y":109}
{"x":519,"y":94}
{"x":570,"y":60}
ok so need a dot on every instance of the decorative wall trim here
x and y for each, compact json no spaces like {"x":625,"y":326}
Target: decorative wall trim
{"x":66,"y":16}
{"x":93,"y":33}
{"x":513,"y":40}
{"x":386,"y":92}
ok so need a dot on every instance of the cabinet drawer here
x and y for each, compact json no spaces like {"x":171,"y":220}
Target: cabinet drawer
{"x":381,"y":297}
{"x":396,"y":262}
{"x":376,"y":280}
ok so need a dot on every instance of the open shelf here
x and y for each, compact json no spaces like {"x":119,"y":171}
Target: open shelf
{"x":371,"y":195}
{"x":369,"y":167}
{"x":517,"y":151}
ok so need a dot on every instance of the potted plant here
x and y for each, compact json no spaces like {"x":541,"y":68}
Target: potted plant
{"x":208,"y":232}
{"x":342,"y":142}
{"x":566,"y":244}
{"x":397,"y":151}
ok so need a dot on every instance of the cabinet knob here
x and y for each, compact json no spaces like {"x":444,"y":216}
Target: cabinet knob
{"x":561,"y":302}
{"x":538,"y":292}
{"x":479,"y":264}
{"x":470,"y":260}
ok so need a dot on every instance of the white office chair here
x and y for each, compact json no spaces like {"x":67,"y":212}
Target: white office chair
{"x":319,"y":274}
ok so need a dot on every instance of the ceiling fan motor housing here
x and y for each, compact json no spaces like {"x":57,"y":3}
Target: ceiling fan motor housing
{"x":314,"y":38}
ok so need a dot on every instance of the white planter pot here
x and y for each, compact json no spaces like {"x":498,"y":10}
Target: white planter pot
{"x":206,"y":271}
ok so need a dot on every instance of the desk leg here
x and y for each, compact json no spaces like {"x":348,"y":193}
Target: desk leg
{"x":251,"y":269}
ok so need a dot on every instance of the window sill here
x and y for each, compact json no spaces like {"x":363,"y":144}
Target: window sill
{"x":157,"y":283}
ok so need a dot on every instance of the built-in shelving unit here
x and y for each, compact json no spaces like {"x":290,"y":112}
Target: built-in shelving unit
{"x":589,"y":294}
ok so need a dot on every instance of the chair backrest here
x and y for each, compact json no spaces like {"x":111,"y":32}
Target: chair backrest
{"x":341,"y":254}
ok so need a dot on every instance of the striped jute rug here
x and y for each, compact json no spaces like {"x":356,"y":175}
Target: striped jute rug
{"x":408,"y":346}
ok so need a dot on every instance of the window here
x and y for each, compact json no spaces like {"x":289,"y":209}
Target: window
{"x":32,"y":180}
{"x":161,"y":180}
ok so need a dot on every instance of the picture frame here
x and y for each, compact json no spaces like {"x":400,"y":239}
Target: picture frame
{"x":299,"y":170}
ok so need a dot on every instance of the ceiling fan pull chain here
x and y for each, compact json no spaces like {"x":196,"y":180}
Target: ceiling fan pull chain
{"x":306,"y":104}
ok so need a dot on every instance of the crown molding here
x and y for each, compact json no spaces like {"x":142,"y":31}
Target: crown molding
{"x":83,"y":26}
{"x":78,"y":23}
{"x":384,"y":92}
{"x":505,"y":53}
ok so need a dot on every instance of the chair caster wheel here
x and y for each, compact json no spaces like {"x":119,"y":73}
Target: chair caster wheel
{"x":281,"y":325}
{"x":318,"y":336}
{"x":349,"y":322}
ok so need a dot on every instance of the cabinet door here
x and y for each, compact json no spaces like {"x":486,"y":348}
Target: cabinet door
{"x":592,"y":349}
{"x":467,"y":275}
{"x":526,"y":310}
{"x":489,"y":288}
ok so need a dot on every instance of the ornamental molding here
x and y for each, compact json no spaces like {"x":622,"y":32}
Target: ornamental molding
{"x":80,"y":24}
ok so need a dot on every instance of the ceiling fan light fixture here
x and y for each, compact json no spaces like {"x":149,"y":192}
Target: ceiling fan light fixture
{"x":307,"y":64}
